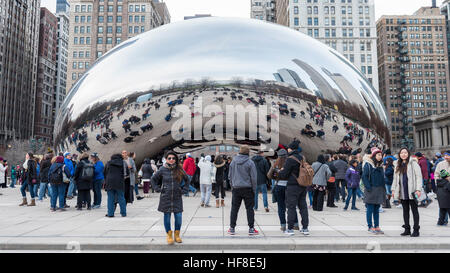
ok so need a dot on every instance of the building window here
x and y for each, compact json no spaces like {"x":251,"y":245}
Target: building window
{"x":110,"y":8}
{"x":100,"y":30}
{"x":142,"y":19}
{"x":109,"y":40}
{"x":296,"y":21}
{"x":137,"y":8}
{"x":75,"y":30}
{"x":100,"y":19}
{"x":75,"y":40}
{"x":136,"y":29}
{"x":142,"y":29}
{"x":99,"y":40}
{"x":118,"y":40}
{"x":118,"y":29}
{"x":110,"y":19}
{"x":130,"y":8}
{"x":119,"y":19}
{"x":99,"y":54}
{"x":143,"y":8}
{"x":119,"y":8}
{"x":109,"y":29}
{"x":130,"y":19}
{"x":101,"y":8}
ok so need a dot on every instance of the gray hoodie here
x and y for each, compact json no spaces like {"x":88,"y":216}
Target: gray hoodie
{"x":242,"y":172}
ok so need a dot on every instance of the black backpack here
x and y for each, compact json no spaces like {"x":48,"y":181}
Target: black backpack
{"x":87,"y":173}
{"x":56,"y":177}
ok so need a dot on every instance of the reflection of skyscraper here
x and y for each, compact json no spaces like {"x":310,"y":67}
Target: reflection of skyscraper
{"x":62,"y":6}
{"x":290,"y":77}
{"x":325,"y":89}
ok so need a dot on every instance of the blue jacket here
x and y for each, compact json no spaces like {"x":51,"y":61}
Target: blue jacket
{"x":389,"y":175}
{"x":98,"y":171}
{"x":372,"y":177}
{"x":389,"y":156}
{"x":352,"y":177}
{"x":69,"y":165}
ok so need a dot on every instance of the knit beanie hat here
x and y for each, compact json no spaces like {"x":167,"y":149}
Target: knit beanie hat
{"x":375,"y":151}
{"x":59,"y":159}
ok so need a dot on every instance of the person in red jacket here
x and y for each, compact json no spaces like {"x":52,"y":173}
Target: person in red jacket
{"x":189,"y":167}
{"x":425,"y":175}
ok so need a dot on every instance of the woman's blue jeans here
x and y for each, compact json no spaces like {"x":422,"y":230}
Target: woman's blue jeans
{"x":261,"y":188}
{"x":97,"y":188}
{"x":351,"y":195}
{"x":178,"y":218}
{"x":280,"y":192}
{"x":57,"y":192}
{"x":13,"y":182}
{"x":373,"y":211}
{"x":31,"y":189}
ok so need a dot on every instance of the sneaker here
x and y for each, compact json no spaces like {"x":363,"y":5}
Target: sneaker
{"x":355,"y":209}
{"x":372,"y":231}
{"x":231,"y":231}
{"x":379,"y":231}
{"x":381,"y":210}
{"x":305,"y":231}
{"x":253,"y":231}
{"x":139,"y":198}
{"x":202,"y":204}
{"x":345,"y":209}
{"x":289,"y":232}
{"x":283,"y":228}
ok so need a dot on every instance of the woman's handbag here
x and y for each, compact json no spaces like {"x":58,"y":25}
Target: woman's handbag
{"x":66,"y":180}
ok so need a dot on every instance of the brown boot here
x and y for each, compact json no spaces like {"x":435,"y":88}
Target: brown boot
{"x":177,"y":236}
{"x":24,"y":202}
{"x":217,"y":203}
{"x":223,"y":203}
{"x":170,"y":238}
{"x":33,"y":203}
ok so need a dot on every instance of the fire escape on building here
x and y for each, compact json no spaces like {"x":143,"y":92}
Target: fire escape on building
{"x":404,"y":60}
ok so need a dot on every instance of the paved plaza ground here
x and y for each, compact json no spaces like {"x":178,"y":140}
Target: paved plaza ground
{"x":204,"y":229}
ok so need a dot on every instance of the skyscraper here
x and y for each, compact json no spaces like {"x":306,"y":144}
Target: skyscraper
{"x":413,"y":65}
{"x":19,"y":38}
{"x":62,"y":6}
{"x":48,"y":40}
{"x":263,"y":10}
{"x":98,"y":26}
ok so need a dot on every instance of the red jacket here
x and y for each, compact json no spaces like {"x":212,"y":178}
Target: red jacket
{"x":423,"y":167}
{"x":189,"y":166}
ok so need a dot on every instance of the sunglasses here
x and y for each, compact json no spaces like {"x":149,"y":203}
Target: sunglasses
{"x":171,"y":158}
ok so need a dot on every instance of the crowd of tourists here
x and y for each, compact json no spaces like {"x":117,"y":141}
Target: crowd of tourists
{"x":380,"y":179}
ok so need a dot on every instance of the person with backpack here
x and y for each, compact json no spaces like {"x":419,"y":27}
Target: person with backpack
{"x":115,"y":171}
{"x":279,"y":189}
{"x":147,"y":173}
{"x":296,"y":193}
{"x":406,"y":185}
{"x":56,"y":180}
{"x":322,"y":174}
{"x":388,"y":177}
{"x":43,"y":176}
{"x":243,"y":180}
{"x":99,"y":180}
{"x":84,"y":177}
{"x":70,"y":166}
{"x":375,"y":191}
{"x":352,"y":176}
{"x":331,"y":183}
{"x":168,"y":180}
{"x":442,"y":176}
{"x":262,"y":168}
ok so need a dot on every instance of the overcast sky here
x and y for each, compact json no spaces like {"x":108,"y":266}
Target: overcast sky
{"x":241,"y":8}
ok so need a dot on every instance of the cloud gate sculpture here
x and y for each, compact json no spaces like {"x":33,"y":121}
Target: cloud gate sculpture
{"x":209,"y":85}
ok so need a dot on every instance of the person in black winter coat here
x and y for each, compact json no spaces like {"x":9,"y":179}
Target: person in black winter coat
{"x":115,"y":172}
{"x":331,"y":183}
{"x":295,"y":194}
{"x":147,"y":173}
{"x":262,"y":168}
{"x":388,"y":178}
{"x":30,"y":179}
{"x":219,"y":163}
{"x":84,"y":184}
{"x":168,"y":180}
{"x":43,"y":176}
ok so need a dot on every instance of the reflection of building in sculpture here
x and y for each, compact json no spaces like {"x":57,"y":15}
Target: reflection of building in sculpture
{"x":325,"y":90}
{"x":290,"y":77}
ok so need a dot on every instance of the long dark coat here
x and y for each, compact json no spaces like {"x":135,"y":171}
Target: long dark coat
{"x":115,"y":174}
{"x":443,"y":193}
{"x":82,"y":184}
{"x":171,"y":199}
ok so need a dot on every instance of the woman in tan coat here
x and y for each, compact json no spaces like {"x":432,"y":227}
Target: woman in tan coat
{"x":406,"y":187}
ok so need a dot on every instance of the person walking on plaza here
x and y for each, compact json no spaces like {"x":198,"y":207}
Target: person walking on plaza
{"x":56,"y":175}
{"x":115,"y":171}
{"x":43,"y":176}
{"x":84,"y":178}
{"x":375,"y":191}
{"x":147,"y":173}
{"x":331,"y":183}
{"x":442,"y":176}
{"x":422,"y":160}
{"x":189,"y":167}
{"x":99,"y":180}
{"x":406,"y":185}
{"x":242,"y":175}
{"x":168,"y":180}
{"x":389,"y":178}
{"x":13,"y":176}
{"x":295,"y":193}
{"x":262,"y":168}
{"x":219,"y":164}
{"x":322,"y":174}
{"x":352,"y":176}
{"x":30,"y":179}
{"x":341,"y":184}
{"x":279,"y":189}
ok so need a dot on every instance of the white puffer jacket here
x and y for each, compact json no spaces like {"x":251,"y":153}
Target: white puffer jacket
{"x":207,"y":171}
{"x":2,"y":173}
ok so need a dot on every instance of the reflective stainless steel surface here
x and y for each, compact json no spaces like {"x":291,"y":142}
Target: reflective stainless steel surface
{"x":220,"y":62}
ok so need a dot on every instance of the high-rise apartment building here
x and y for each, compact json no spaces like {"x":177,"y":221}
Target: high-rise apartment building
{"x":62,"y":6}
{"x":413,"y":69}
{"x":97,"y":26}
{"x":62,"y":58}
{"x":19,"y":38}
{"x":347,"y":26}
{"x":263,"y":10}
{"x":48,"y":40}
